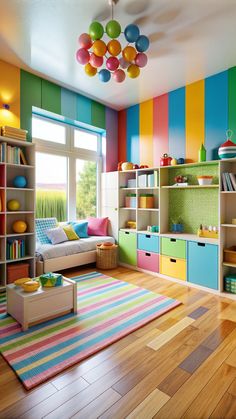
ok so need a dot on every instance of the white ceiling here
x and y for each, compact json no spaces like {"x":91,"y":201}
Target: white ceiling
{"x":191,"y":39}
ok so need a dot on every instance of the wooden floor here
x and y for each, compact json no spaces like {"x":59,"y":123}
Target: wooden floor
{"x":182,"y":365}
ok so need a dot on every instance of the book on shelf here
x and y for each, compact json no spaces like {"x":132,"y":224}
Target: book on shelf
{"x":11,"y":154}
{"x":15,"y":248}
{"x":12,"y":132}
{"x":228,"y":182}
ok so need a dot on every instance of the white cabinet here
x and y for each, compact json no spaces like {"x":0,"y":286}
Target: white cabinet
{"x":109,"y":201}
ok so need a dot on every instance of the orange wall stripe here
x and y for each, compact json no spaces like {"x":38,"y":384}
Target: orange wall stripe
{"x":195,"y":120}
{"x":9,"y":94}
{"x":122,"y":141}
{"x":146,"y":132}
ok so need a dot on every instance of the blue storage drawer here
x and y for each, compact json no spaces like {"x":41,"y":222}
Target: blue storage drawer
{"x":203,"y":264}
{"x":148,"y":242}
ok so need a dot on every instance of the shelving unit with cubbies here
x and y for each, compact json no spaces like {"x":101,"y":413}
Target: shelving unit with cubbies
{"x":26,"y":198}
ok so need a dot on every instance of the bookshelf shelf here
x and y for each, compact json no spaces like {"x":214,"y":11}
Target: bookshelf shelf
{"x":23,"y":243}
{"x":191,"y":187}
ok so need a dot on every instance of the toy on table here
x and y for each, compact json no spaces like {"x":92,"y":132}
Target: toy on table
{"x":210,"y":232}
{"x":13,"y":205}
{"x":19,"y":226}
{"x":20,"y":182}
{"x":227,"y":150}
{"x":30,"y":286}
{"x":51,"y":279}
{"x":165,"y":160}
{"x":19,"y":282}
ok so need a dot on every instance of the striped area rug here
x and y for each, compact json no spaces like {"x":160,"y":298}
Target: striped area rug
{"x":108,"y":309}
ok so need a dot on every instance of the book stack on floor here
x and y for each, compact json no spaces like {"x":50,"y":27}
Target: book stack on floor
{"x":12,"y":132}
{"x":15,"y":248}
{"x":228,"y":182}
{"x":10,"y":154}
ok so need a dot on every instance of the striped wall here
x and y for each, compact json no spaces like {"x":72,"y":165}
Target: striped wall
{"x":23,"y":90}
{"x":178,"y":122}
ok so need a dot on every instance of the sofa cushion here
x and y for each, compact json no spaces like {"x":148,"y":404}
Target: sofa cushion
{"x":56,"y":235}
{"x":81,"y":228}
{"x":70,"y":232}
{"x":97,"y":226}
{"x":41,"y":226}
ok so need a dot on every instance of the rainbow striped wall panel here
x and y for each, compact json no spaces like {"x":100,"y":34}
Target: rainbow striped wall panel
{"x":216,"y":113}
{"x":177,"y":123}
{"x":132,"y":134}
{"x":68,"y":104}
{"x":180,"y":121}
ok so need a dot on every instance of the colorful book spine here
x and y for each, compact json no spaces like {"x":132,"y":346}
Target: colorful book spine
{"x":15,"y":249}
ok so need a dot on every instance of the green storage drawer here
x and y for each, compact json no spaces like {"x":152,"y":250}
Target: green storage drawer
{"x":128,"y":247}
{"x":173,"y":247}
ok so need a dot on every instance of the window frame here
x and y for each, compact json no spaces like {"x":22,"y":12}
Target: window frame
{"x":73,"y":153}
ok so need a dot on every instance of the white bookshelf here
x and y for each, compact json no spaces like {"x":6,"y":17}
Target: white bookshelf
{"x":26,"y":197}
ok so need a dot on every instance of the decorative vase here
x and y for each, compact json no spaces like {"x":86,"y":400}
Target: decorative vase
{"x":202,"y":154}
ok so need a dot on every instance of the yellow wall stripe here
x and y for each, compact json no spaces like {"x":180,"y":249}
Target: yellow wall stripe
{"x":195,"y":132}
{"x":10,"y":94}
{"x":146,"y":132}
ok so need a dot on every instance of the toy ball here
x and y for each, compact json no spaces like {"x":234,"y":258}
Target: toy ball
{"x":96,"y":61}
{"x":96,"y":30}
{"x":180,"y":161}
{"x":133,"y":71}
{"x":99,"y":48}
{"x":114,"y":47}
{"x":20,"y":182}
{"x":113,"y":29}
{"x":85,"y":41}
{"x":173,"y":162}
{"x":141,"y":59}
{"x":112,"y":63}
{"x":104,"y":75}
{"x":129,"y":53}
{"x":119,"y":75}
{"x":19,"y":226}
{"x":13,"y":205}
{"x":90,"y":70}
{"x":227,"y":150}
{"x":142,"y":43}
{"x":82,"y":56}
{"x":127,"y":166}
{"x":131,"y":33}
{"x":124,"y":64}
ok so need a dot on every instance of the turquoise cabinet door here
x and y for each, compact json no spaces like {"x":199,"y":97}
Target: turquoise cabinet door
{"x":203,"y":264}
{"x":128,"y":247}
{"x":148,"y":243}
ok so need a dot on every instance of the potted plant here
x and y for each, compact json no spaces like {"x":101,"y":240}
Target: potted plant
{"x":177,"y":225}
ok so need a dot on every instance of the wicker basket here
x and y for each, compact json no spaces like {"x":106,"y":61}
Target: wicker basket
{"x":107,"y":257}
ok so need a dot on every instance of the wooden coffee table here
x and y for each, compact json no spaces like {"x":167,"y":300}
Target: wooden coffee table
{"x":46,"y":303}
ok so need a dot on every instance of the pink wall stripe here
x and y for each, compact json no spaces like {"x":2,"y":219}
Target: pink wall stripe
{"x":160,"y":128}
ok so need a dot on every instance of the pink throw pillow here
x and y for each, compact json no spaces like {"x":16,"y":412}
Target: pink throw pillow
{"x":97,"y":226}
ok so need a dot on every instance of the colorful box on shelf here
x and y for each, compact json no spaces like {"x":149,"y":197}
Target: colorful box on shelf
{"x":230,"y":254}
{"x":131,"y":183}
{"x":130,"y":200}
{"x":142,"y":181}
{"x":51,"y":280}
{"x":208,"y":234}
{"x":230,"y":283}
{"x":146,"y":201}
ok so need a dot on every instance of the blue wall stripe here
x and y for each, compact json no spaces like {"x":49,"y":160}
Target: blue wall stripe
{"x":68,"y":104}
{"x":216,"y":113}
{"x":177,"y":123}
{"x":132,"y":127}
{"x":84,"y":109}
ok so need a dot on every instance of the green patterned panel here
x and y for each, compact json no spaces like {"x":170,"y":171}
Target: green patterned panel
{"x":194,"y":206}
{"x":51,"y":97}
{"x":98,"y":115}
{"x":31,"y":95}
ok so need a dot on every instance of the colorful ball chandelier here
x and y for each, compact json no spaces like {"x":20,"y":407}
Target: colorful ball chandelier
{"x":109,"y":59}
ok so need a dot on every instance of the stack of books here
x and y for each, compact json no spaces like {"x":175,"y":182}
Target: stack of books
{"x":15,"y":248}
{"x":12,"y":132}
{"x":13,"y":155}
{"x":228,"y":182}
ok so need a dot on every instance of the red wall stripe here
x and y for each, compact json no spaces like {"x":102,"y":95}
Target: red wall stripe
{"x":122,"y":135}
{"x":160,"y":128}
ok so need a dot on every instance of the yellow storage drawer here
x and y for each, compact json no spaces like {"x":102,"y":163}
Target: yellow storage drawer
{"x":173,"y":267}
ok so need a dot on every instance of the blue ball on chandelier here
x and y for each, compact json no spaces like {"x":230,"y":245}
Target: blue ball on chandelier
{"x":104,"y":75}
{"x":142,"y":43}
{"x":131,"y":33}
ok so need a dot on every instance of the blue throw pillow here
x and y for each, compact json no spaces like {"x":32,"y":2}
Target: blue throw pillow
{"x":41,"y":226}
{"x":81,"y":228}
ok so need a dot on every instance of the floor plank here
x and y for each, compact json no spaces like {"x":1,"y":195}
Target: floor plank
{"x":150,"y":406}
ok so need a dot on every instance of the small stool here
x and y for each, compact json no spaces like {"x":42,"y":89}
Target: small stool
{"x":107,"y":256}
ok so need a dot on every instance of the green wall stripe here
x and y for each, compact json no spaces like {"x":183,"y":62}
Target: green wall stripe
{"x":98,"y":115}
{"x":51,"y":97}
{"x":232,"y":101}
{"x":31,"y":95}
{"x":68,"y":104}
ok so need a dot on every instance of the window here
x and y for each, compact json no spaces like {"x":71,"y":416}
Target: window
{"x":86,"y":140}
{"x":51,"y":186}
{"x":67,"y":170}
{"x":46,"y":130}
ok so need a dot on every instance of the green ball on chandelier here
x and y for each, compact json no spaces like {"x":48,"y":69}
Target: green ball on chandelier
{"x":113,"y":29}
{"x":96,"y":30}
